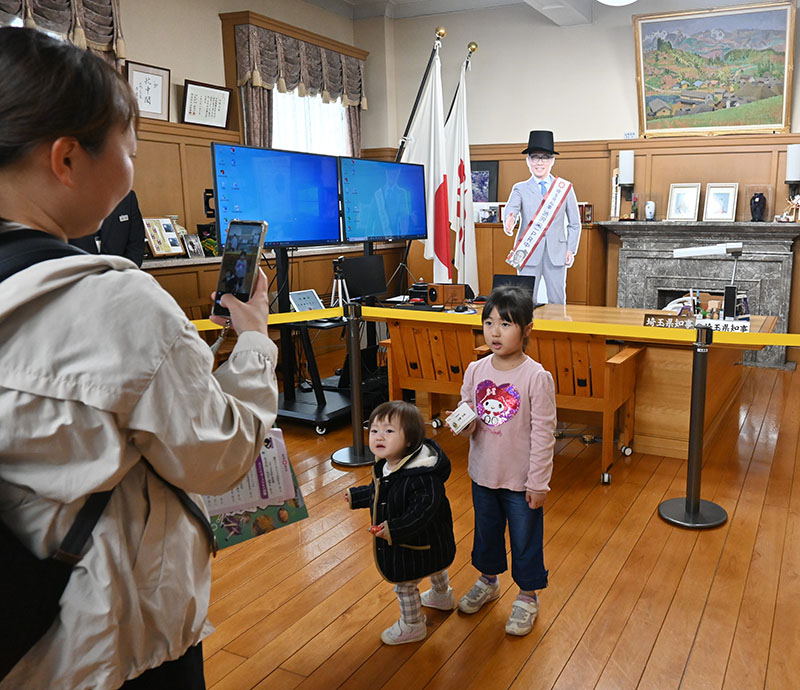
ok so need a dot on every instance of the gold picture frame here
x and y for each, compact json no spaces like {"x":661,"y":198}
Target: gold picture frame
{"x":162,"y":237}
{"x":726,"y":70}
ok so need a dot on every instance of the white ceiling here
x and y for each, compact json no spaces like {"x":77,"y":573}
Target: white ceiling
{"x":560,"y":12}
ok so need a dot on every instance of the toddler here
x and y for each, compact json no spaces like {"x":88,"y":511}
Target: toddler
{"x":411,"y":517}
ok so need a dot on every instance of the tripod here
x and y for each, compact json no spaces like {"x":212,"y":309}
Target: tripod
{"x":404,"y":265}
{"x":339,"y":293}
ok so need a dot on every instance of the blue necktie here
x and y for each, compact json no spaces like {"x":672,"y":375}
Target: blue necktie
{"x":543,"y":187}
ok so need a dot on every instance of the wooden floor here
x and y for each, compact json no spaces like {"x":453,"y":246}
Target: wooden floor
{"x":632,"y":601}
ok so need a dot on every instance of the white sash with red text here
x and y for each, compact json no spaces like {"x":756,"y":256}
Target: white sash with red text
{"x":540,"y":223}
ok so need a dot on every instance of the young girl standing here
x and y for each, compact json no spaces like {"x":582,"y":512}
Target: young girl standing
{"x":510,"y":457}
{"x":411,"y":517}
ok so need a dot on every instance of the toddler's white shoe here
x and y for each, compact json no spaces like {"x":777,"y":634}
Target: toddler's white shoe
{"x":480,"y":593}
{"x":402,"y":632}
{"x":444,"y":601}
{"x":523,"y":615}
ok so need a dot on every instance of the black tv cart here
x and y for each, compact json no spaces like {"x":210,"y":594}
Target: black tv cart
{"x":317,"y":406}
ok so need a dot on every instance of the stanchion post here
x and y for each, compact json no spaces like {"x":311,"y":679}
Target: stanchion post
{"x":692,"y":511}
{"x":355,"y":455}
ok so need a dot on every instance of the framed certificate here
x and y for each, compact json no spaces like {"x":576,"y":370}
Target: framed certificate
{"x":205,"y":104}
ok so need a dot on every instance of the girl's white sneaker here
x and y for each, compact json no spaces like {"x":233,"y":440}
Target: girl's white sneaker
{"x":402,"y":632}
{"x":523,"y":615}
{"x":444,"y":601}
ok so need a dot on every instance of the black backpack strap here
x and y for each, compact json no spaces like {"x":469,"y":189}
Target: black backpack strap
{"x":191,"y":507}
{"x":20,"y":249}
{"x":25,"y":247}
{"x":70,"y":550}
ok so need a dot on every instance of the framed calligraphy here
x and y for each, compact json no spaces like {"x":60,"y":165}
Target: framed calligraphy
{"x":151,"y":86}
{"x":205,"y":104}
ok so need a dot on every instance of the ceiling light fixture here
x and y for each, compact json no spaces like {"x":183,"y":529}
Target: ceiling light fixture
{"x":616,"y":3}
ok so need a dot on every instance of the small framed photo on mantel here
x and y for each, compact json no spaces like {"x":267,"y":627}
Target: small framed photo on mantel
{"x":151,"y":87}
{"x":684,"y":199}
{"x":206,"y":104}
{"x":721,"y":201}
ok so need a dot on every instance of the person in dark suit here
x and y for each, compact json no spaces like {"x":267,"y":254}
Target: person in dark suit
{"x":121,"y":233}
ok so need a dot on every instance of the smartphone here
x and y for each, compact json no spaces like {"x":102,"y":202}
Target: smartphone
{"x":239,"y":267}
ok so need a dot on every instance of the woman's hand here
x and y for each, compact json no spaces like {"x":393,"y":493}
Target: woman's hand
{"x":247,"y":316}
{"x":535,"y":499}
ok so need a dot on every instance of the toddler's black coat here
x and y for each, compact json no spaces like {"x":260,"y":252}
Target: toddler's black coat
{"x":413,"y":503}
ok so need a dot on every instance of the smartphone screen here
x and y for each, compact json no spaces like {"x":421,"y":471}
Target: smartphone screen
{"x":239,"y":267}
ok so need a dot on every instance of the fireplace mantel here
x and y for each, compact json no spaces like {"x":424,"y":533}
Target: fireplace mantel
{"x":764,"y":271}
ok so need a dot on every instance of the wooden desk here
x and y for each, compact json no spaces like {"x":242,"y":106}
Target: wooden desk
{"x":663,"y":379}
{"x":664,"y":376}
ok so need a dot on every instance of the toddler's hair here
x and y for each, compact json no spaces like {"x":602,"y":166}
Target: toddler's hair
{"x":406,"y":416}
{"x":512,"y":303}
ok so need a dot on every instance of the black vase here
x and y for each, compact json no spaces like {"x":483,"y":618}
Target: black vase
{"x":758,"y":204}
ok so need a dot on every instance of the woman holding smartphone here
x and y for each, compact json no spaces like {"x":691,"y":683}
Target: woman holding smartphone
{"x":104,"y":384}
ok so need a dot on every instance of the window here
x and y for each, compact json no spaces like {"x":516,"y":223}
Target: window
{"x":305,"y":123}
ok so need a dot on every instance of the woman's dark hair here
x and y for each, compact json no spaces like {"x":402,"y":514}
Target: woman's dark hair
{"x":50,"y":89}
{"x":512,"y":303}
{"x":404,"y":415}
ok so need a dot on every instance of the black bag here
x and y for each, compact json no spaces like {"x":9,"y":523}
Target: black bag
{"x":32,"y":587}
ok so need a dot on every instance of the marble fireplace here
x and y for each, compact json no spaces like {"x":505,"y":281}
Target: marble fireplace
{"x":649,"y":276}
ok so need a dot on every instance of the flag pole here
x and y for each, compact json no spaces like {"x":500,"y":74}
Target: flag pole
{"x":441,"y":32}
{"x":471,"y":48}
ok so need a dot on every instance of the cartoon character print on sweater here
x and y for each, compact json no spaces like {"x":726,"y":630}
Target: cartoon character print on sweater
{"x":496,"y":404}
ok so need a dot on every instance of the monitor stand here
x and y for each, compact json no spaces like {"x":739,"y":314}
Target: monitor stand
{"x":319,"y":407}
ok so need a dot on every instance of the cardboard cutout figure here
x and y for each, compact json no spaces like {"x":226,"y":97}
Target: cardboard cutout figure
{"x":550,"y":222}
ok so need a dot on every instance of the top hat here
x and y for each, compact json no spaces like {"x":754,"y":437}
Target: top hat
{"x":540,"y":140}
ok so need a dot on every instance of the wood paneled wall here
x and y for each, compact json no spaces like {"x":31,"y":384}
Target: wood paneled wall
{"x":173,"y":167}
{"x":756,"y":162}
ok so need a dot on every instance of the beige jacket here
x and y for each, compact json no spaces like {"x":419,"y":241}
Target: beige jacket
{"x":99,"y":367}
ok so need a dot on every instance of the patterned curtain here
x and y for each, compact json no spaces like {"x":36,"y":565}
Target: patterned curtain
{"x":92,"y":24}
{"x":266,"y":59}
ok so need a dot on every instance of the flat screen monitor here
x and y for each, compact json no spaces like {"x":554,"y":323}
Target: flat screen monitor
{"x":524,"y":282}
{"x":364,"y":276}
{"x":296,"y":193}
{"x":382,"y":201}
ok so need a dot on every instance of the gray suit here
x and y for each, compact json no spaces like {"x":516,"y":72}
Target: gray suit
{"x":548,"y":259}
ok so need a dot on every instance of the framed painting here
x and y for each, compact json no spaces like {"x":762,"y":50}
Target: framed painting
{"x":151,"y":86}
{"x":721,"y":201}
{"x":719,"y":71}
{"x":484,"y":180}
{"x":684,"y":200}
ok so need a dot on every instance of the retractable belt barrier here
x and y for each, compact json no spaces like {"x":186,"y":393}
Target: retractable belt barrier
{"x":690,"y":511}
{"x":614,"y":331}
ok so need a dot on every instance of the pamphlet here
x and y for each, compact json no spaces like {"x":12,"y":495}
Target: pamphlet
{"x":267,"y":498}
